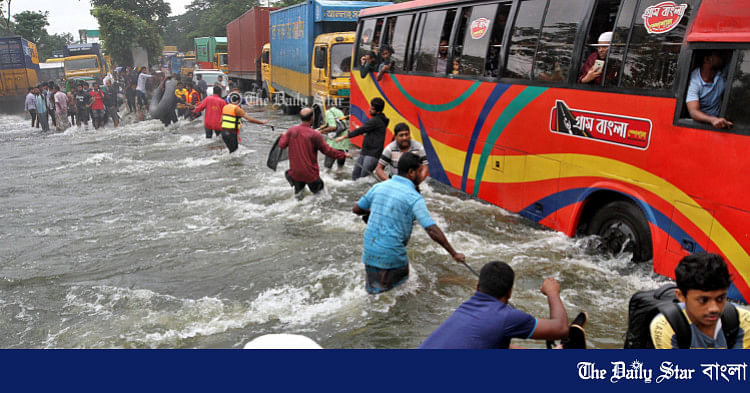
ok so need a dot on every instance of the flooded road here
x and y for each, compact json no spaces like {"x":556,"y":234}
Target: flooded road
{"x":145,"y":237}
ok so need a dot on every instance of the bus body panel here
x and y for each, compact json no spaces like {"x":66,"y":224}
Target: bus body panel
{"x":500,"y":142}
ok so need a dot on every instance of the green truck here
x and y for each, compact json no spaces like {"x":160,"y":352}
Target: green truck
{"x":211,"y":52}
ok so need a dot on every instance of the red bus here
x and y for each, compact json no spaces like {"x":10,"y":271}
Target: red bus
{"x":494,"y":91}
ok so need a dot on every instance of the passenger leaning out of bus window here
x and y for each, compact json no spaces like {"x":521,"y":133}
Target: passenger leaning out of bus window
{"x":386,"y":61}
{"x":705,"y":90}
{"x":368,"y":64}
{"x":594,"y":66}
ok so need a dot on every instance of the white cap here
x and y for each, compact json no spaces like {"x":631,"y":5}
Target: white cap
{"x":282,"y":341}
{"x":605,"y":37}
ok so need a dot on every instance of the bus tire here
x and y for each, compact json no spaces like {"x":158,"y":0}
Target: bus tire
{"x":622,"y":227}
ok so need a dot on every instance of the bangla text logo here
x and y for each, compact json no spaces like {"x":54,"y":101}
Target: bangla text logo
{"x":663,"y":17}
{"x":603,"y":127}
{"x":479,"y":28}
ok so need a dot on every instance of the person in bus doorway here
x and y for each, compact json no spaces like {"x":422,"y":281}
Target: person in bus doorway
{"x":213,"y":106}
{"x":703,"y":281}
{"x":706,"y":89}
{"x":231,"y":122}
{"x":402,"y":144}
{"x":488,"y":321}
{"x":304,"y":143}
{"x":392,"y":206}
{"x":386,"y":62}
{"x":30,"y":107}
{"x":593,"y":67}
{"x":372,"y":146}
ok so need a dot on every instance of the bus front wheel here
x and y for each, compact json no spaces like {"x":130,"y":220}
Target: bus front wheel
{"x":622,"y":227}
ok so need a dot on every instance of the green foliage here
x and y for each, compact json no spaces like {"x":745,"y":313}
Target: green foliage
{"x":31,"y":25}
{"x":156,"y":11}
{"x":204,"y":18}
{"x":119,"y":31}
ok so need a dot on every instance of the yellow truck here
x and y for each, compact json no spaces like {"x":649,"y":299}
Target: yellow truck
{"x":188,"y":65}
{"x":329,"y":76}
{"x":19,"y":65}
{"x":265,"y":71}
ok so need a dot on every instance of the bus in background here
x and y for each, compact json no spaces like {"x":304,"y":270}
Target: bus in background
{"x":19,"y":65}
{"x":52,"y":71}
{"x":86,"y":51}
{"x":494,"y":91}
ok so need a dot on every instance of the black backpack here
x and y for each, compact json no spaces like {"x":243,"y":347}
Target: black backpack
{"x":645,"y":305}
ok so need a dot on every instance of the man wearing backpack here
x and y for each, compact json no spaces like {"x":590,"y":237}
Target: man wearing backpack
{"x":703,"y":318}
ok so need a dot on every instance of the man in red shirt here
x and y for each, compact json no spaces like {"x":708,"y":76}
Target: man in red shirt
{"x":97,"y":106}
{"x":304,"y":143}
{"x":213,"y":106}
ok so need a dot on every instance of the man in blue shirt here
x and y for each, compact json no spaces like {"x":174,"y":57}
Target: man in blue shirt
{"x":705,"y":91}
{"x":393,"y":206}
{"x":487,"y":321}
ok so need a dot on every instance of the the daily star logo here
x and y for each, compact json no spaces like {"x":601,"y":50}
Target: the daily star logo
{"x":479,"y":28}
{"x":663,"y":17}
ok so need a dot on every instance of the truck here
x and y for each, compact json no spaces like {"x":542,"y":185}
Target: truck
{"x":246,"y":36}
{"x":208,"y":51}
{"x":19,"y":67}
{"x":84,"y":60}
{"x":325,"y":28}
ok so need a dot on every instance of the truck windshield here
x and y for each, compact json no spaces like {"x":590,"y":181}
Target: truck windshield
{"x":81,"y":64}
{"x":188,"y":63}
{"x":341,"y":60}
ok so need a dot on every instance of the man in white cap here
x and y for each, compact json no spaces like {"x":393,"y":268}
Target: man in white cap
{"x":594,"y":66}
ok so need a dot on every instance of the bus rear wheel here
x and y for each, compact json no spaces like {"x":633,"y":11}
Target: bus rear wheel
{"x":622,"y":227}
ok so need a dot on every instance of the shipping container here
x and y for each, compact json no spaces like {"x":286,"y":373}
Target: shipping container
{"x":206,"y":49}
{"x":19,"y":67}
{"x":293,"y":32}
{"x":246,"y":36}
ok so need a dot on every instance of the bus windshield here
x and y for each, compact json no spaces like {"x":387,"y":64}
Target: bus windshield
{"x":81,"y":64}
{"x":341,"y":60}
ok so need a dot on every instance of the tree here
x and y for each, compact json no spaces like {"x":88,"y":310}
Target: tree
{"x":120,"y":31}
{"x":156,"y":11}
{"x":31,"y":25}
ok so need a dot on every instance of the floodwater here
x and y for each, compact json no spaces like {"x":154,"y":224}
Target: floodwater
{"x":146,"y":237}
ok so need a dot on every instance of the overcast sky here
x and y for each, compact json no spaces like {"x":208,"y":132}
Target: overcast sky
{"x":68,"y":16}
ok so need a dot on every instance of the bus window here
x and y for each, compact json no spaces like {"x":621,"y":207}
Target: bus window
{"x":428,"y":43}
{"x":458,"y":42}
{"x":475,"y":43}
{"x":651,"y":59}
{"x":376,"y":35}
{"x":524,"y":39}
{"x":618,"y":45}
{"x":398,"y":41}
{"x":492,"y":66}
{"x":367,"y":28}
{"x":602,"y":22}
{"x":387,"y":36}
{"x":739,"y":94}
{"x":556,"y":45}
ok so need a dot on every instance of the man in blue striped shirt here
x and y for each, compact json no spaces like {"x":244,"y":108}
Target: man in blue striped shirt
{"x":393,"y":205}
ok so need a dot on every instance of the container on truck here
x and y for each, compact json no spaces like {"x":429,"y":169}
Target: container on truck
{"x":19,"y":67}
{"x":246,"y":36}
{"x":320,"y":26}
{"x":206,"y":50}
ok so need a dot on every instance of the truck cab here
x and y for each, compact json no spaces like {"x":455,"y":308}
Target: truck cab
{"x":83,"y":66}
{"x":332,"y":59}
{"x":265,"y":61}
{"x":188,"y":65}
{"x":221,"y":62}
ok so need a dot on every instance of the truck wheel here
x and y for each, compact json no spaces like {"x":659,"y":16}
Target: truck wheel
{"x":622,"y":227}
